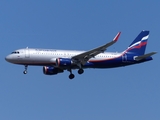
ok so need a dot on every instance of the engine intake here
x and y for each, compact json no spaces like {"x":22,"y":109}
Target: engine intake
{"x":50,"y":70}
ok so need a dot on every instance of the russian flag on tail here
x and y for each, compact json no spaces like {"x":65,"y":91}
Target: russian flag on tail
{"x":138,"y":46}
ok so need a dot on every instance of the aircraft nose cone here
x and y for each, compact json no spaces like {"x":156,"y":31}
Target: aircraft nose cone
{"x":8,"y":58}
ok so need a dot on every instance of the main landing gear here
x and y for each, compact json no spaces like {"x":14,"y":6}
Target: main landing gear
{"x":80,"y":71}
{"x":71,"y":76}
{"x":25,"y":70}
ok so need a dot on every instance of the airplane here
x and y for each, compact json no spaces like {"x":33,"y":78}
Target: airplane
{"x":57,"y":61}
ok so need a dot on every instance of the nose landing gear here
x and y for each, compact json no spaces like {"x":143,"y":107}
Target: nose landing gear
{"x":25,"y":70}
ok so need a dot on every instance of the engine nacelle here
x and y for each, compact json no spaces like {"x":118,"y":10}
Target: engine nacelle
{"x":63,"y":62}
{"x":50,"y":70}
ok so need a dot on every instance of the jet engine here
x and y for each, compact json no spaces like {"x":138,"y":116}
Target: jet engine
{"x":50,"y":70}
{"x":63,"y":62}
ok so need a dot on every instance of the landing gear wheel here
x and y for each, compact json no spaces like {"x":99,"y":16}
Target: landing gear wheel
{"x":25,"y":72}
{"x":71,"y":76}
{"x":80,"y":71}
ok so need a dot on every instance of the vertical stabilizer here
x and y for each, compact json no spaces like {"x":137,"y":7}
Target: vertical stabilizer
{"x":138,"y":46}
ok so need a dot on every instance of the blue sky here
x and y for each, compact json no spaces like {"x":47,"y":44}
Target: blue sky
{"x":127,"y":93}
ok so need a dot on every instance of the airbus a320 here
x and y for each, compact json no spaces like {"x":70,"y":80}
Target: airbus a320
{"x":57,"y":61}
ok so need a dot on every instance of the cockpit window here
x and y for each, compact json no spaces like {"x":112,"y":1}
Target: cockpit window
{"x":15,"y":52}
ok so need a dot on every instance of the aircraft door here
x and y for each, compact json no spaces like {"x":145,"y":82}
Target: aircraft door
{"x":124,"y":58}
{"x":27,"y":55}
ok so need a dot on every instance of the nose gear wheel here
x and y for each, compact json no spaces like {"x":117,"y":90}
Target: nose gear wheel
{"x":25,"y":70}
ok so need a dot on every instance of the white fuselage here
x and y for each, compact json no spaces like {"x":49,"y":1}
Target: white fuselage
{"x":42,"y":57}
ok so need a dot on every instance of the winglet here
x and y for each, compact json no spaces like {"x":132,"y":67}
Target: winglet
{"x":117,"y":36}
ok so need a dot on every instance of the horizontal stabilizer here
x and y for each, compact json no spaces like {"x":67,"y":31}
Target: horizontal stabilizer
{"x":144,"y":56}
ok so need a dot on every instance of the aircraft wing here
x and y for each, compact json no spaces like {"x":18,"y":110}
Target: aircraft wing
{"x":84,"y":57}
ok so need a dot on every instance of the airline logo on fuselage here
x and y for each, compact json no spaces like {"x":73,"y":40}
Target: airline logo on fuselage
{"x":45,"y":50}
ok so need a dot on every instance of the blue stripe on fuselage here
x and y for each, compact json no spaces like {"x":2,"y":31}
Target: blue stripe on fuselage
{"x":117,"y":62}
